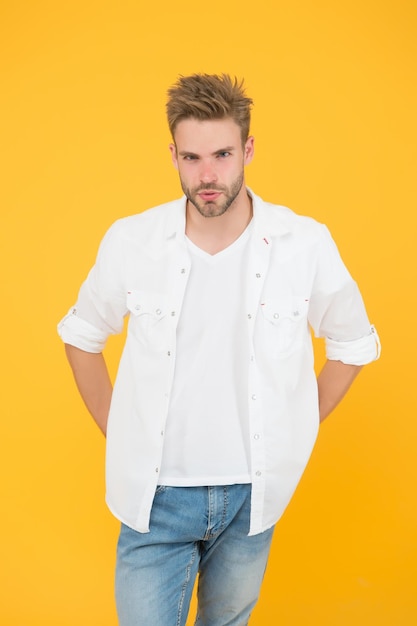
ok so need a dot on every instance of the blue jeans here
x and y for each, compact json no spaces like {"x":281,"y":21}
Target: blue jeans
{"x":193,"y":530}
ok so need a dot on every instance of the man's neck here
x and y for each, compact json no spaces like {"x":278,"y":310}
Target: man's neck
{"x":214,"y":234}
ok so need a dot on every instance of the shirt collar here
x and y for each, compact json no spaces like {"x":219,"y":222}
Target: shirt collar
{"x":175,"y":222}
{"x":266,"y":220}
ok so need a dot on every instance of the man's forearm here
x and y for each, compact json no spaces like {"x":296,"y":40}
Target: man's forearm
{"x":93,"y":382}
{"x":334,"y":381}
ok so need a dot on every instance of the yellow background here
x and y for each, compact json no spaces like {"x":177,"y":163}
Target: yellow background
{"x":83,"y":142}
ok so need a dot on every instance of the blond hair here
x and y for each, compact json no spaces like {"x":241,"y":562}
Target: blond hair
{"x":209,"y":97}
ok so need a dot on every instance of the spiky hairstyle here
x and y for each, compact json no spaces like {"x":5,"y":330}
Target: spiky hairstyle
{"x":209,"y":97}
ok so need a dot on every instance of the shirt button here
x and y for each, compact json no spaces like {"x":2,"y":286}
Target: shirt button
{"x":157,"y":469}
{"x":172,"y":313}
{"x":169,"y":353}
{"x":258,"y":473}
{"x":253,"y":396}
{"x":137,"y":307}
{"x":258,"y":275}
{"x":183,"y":270}
{"x":256,"y":436}
{"x":276,"y":316}
{"x":158,"y":311}
{"x":249,"y":316}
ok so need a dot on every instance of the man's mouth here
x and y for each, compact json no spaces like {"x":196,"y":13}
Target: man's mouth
{"x":208,"y":195}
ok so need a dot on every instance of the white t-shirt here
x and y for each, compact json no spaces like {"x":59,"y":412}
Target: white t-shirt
{"x":206,"y":436}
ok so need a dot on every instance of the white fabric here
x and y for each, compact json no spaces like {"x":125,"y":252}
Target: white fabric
{"x":294,"y":278}
{"x":208,"y":401}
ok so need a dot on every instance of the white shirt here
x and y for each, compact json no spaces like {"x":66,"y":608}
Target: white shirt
{"x":295,"y":280}
{"x":207,"y":432}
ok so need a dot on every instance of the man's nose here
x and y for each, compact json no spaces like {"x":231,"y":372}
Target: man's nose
{"x":208,"y":173}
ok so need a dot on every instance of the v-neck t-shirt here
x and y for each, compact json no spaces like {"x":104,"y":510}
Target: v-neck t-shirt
{"x":206,"y":436}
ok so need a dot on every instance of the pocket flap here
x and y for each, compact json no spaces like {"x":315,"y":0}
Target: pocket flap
{"x":276,"y":309}
{"x":146,"y":303}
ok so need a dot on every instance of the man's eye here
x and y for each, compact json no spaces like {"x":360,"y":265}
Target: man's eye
{"x":223,"y":154}
{"x":189,"y":157}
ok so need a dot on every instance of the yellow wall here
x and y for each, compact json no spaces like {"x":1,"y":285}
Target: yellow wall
{"x":84,"y":141}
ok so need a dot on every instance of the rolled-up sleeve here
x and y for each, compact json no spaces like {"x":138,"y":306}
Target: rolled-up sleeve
{"x":356,"y":352}
{"x":81,"y":334}
{"x":337,"y":310}
{"x":101,"y":305}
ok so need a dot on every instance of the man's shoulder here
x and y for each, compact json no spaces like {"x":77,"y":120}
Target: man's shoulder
{"x":280,"y":219}
{"x":155,"y":214}
{"x":150,"y":222}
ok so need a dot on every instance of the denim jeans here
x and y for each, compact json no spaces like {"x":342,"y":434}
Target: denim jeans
{"x":193,"y":530}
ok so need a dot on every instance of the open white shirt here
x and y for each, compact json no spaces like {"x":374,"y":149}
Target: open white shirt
{"x":295,"y":280}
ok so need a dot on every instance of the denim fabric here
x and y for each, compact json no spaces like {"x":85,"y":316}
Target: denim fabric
{"x":193,"y":530}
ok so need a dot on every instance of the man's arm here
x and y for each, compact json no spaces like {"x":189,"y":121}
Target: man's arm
{"x":334,"y":381}
{"x":93,"y":382}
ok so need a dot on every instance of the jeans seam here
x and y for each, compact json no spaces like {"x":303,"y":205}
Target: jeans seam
{"x":209,"y":534}
{"x":225,"y":503}
{"x":210,"y":493}
{"x":185,"y":584}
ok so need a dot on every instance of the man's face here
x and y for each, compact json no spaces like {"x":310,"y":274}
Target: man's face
{"x":210,"y":160}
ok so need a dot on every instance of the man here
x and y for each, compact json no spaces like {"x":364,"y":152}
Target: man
{"x":216,"y":406}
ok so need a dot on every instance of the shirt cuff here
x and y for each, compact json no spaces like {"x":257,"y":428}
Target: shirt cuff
{"x":81,"y":334}
{"x":357,"y":352}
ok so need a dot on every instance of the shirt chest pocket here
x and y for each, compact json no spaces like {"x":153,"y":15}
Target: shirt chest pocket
{"x":148,"y":316}
{"x":284,"y":324}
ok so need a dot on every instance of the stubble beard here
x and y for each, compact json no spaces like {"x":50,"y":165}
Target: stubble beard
{"x":212,"y":209}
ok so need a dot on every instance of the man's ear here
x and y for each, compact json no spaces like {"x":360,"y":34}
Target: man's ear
{"x":249,"y":150}
{"x":173,"y":150}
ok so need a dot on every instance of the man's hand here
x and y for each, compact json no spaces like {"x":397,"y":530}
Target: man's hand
{"x":93,"y":382}
{"x":334,"y":381}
